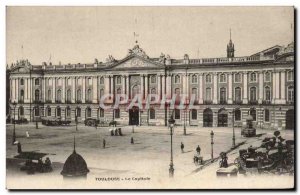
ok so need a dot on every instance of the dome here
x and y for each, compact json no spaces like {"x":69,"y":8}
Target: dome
{"x":75,"y":166}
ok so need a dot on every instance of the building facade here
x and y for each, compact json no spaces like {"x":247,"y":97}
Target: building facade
{"x":225,"y":90}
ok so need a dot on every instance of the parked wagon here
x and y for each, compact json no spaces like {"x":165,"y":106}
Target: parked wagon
{"x":53,"y":121}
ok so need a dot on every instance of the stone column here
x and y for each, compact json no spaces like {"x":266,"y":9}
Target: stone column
{"x":215,"y":97}
{"x":261,"y":87}
{"x":111,"y":85}
{"x":44,"y":90}
{"x":17,"y":90}
{"x":184,"y":80}
{"x":83,"y":89}
{"x":230,"y":88}
{"x":63,"y":93}
{"x":146,"y":85}
{"x":168,"y":86}
{"x":53,"y":89}
{"x":187,"y":82}
{"x":106,"y":85}
{"x":95,"y":86}
{"x":25,"y":90}
{"x":245,"y":88}
{"x":159,"y":86}
{"x":274,"y":87}
{"x":282,"y":87}
{"x":163,"y":83}
{"x":73,"y":89}
{"x":277,"y":98}
{"x":142,"y":87}
{"x":200,"y":88}
{"x":123,"y":84}
{"x":127,"y":87}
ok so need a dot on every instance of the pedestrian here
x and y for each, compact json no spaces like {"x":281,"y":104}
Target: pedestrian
{"x":104,"y":143}
{"x":198,"y":150}
{"x":19,"y":148}
{"x":182,"y":147}
{"x":27,"y":134}
{"x":132,"y":142}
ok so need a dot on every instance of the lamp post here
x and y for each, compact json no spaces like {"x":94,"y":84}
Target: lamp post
{"x":171,"y":125}
{"x":36,"y":121}
{"x":76,"y":119}
{"x":233,"y":132}
{"x":14,"y":132}
{"x":212,"y":144}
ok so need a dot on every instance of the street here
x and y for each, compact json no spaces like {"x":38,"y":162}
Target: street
{"x":148,"y":157}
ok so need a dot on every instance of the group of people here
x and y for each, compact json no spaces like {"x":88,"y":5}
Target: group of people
{"x":42,"y":167}
{"x":116,"y":131}
{"x":104,"y":142}
{"x":197,"y":158}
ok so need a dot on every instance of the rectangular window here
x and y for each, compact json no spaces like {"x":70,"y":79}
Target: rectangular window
{"x":152,"y":114}
{"x":194,"y":114}
{"x":177,"y":114}
{"x":117,"y":113}
{"x":267,"y":115}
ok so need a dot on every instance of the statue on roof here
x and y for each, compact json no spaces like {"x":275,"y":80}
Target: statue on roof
{"x":110,"y":59}
{"x":162,"y":58}
{"x":137,"y":51}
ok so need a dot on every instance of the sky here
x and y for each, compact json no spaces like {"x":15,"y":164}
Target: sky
{"x":81,"y":34}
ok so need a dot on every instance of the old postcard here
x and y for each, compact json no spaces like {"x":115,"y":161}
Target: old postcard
{"x":150,"y":97}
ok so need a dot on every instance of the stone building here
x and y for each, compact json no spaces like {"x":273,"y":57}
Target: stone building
{"x":261,"y":85}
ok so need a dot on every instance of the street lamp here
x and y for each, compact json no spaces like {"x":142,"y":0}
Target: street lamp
{"x":171,"y":125}
{"x":233,"y":132}
{"x":76,"y":119}
{"x":212,"y":145}
{"x":36,"y":121}
{"x":14,"y":132}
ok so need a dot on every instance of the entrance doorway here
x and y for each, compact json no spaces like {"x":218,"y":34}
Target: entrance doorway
{"x":134,"y":116}
{"x":289,"y":119}
{"x":222,"y":118}
{"x":207,"y":118}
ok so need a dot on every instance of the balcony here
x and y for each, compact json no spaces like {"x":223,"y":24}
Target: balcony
{"x":48,"y":101}
{"x":58,"y":101}
{"x":88,"y":101}
{"x":68,"y":102}
{"x":290,"y":102}
{"x":207,"y":102}
{"x":78,"y":101}
{"x":253,"y":102}
{"x":21,"y":101}
{"x":238,"y":102}
{"x":37,"y":101}
{"x":266,"y":102}
{"x":223,"y":102}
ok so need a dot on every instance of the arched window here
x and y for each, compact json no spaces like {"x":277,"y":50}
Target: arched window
{"x":237,"y":78}
{"x":101,"y":81}
{"x":194,"y":79}
{"x":22,"y":82}
{"x":237,"y":114}
{"x":36,"y":111}
{"x":267,"y":77}
{"x":78,"y":81}
{"x":50,"y":82}
{"x":153,"y":79}
{"x":208,"y":94}
{"x":194,"y":93}
{"x":291,"y":93}
{"x":58,"y":112}
{"x":69,"y":81}
{"x":222,"y":95}
{"x":290,"y":75}
{"x":119,"y":91}
{"x":58,"y":97}
{"x":237,"y":94}
{"x":208,"y":78}
{"x":78,"y":112}
{"x":267,"y":115}
{"x":37,"y":81}
{"x":78,"y":95}
{"x":69,"y":95}
{"x":177,"y":79}
{"x":253,"y":94}
{"x":194,"y":114}
{"x":253,"y":113}
{"x":117,"y":113}
{"x":135,"y":91}
{"x":89,"y":95}
{"x":152,"y":113}
{"x":22,"y":95}
{"x":267,"y":93}
{"x":222,"y":78}
{"x":177,"y":91}
{"x":253,"y":77}
{"x":90,"y":82}
{"x":88,"y":112}
{"x":49,"y":95}
{"x":118,"y":80}
{"x":59,"y":83}
{"x":21,"y":111}
{"x":37,"y":95}
{"x":101,"y":92}
{"x":68,"y":112}
{"x":177,"y":113}
{"x":101,"y":114}
{"x":48,"y":111}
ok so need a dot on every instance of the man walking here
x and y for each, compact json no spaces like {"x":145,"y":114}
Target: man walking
{"x":104,"y":143}
{"x":198,"y":149}
{"x":182,"y":147}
